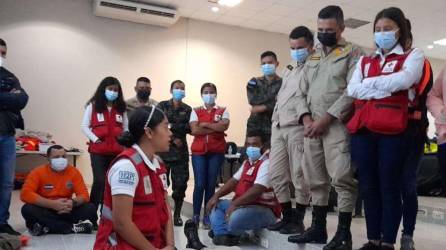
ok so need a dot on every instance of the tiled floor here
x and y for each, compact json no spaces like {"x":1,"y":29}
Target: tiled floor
{"x":427,"y":236}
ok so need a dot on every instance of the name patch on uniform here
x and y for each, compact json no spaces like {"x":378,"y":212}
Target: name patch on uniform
{"x":126,"y":177}
{"x":69,"y":185}
{"x":119,"y":118}
{"x":48,"y":186}
{"x":250,"y":171}
{"x":217,"y":118}
{"x":290,"y":67}
{"x":147,"y":185}
{"x":315,"y":58}
{"x":389,"y":67}
{"x":100,"y":117}
{"x":163,"y":178}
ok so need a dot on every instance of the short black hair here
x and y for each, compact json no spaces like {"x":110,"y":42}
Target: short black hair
{"x":332,"y":11}
{"x":256,"y":133}
{"x":55,"y":147}
{"x":143,"y":79}
{"x":210,"y":85}
{"x":173,"y":83}
{"x":2,"y":42}
{"x":304,"y":32}
{"x":268,"y":53}
{"x":396,"y":14}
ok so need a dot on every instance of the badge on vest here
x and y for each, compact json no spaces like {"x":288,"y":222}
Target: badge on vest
{"x":389,"y":67}
{"x":147,"y":185}
{"x":217,"y":118}
{"x":100,"y":117}
{"x":250,"y":171}
{"x":119,"y":118}
{"x":163,"y":178}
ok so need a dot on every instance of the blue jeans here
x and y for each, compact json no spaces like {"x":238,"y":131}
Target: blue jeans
{"x":414,"y":151}
{"x":206,"y":169}
{"x":241,"y":220}
{"x":7,"y":167}
{"x":380,"y":160}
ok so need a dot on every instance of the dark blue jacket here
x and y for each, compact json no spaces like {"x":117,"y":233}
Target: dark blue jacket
{"x":12,"y":100}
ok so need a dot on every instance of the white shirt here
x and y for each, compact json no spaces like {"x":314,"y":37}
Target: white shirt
{"x":123,"y":177}
{"x":383,"y":86}
{"x":194,"y":116}
{"x":262,"y":177}
{"x":86,"y":122}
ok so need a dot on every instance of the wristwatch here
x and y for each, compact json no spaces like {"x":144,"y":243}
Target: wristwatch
{"x":75,"y":203}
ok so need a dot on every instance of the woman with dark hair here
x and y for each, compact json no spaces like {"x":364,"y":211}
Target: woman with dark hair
{"x":104,"y":119}
{"x":136,"y":213}
{"x":177,"y":159}
{"x":208,"y":124}
{"x":383,"y":86}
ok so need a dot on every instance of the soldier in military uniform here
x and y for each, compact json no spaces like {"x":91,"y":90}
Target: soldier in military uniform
{"x":322,"y":106}
{"x":262,"y":92}
{"x":177,"y":159}
{"x":143,"y":89}
{"x":287,"y":139}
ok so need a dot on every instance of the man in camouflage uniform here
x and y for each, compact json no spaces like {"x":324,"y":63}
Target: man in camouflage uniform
{"x":262,"y":93}
{"x":177,"y":159}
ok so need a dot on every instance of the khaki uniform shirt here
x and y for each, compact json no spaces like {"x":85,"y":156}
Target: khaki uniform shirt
{"x":323,"y":83}
{"x":134,"y":103}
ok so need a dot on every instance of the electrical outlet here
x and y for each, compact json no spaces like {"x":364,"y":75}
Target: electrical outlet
{"x":437,"y":215}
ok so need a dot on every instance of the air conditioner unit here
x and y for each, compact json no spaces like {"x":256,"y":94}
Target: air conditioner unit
{"x":137,"y":12}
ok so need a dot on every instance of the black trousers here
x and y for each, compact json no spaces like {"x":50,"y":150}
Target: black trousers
{"x":57,"y":223}
{"x":99,"y":164}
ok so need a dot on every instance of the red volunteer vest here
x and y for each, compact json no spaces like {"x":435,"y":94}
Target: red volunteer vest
{"x":385,"y":116}
{"x":106,"y":126}
{"x":149,"y":213}
{"x":267,"y":198}
{"x":211,"y":143}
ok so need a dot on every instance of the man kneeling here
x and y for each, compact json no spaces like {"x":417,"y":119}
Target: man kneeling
{"x":48,"y":197}
{"x":254,"y":205}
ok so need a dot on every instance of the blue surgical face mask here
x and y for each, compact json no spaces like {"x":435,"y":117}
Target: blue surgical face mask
{"x":386,"y":39}
{"x":299,"y":55}
{"x":268,"y":69}
{"x":253,"y":153}
{"x":59,"y":164}
{"x":209,"y":98}
{"x":111,"y":95}
{"x":178,"y":94}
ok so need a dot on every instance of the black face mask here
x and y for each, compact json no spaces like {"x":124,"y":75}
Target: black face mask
{"x":143,"y":94}
{"x":327,"y":39}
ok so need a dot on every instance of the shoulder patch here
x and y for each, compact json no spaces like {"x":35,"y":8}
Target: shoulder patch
{"x":252,"y":83}
{"x":290,"y":67}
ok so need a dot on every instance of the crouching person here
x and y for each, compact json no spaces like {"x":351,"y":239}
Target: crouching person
{"x":50,"y":206}
{"x":254,"y":205}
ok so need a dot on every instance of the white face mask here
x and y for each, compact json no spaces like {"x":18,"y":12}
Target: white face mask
{"x":2,"y":62}
{"x":59,"y":164}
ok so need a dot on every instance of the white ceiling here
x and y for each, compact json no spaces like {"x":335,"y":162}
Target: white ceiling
{"x":428,"y":17}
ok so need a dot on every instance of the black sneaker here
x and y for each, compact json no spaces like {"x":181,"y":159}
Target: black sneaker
{"x":38,"y":230}
{"x":7,"y":229}
{"x":177,"y":221}
{"x":226,"y":240}
{"x":407,"y":243}
{"x":311,"y":235}
{"x":292,"y":228}
{"x":83,"y":227}
{"x":370,"y":246}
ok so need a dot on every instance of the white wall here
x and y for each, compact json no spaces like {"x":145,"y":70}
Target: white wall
{"x":60,"y":52}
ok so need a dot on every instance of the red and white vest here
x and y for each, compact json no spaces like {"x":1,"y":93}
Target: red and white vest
{"x":249,"y":175}
{"x":388,"y":115}
{"x":211,"y":143}
{"x":106,"y":126}
{"x":150,"y":213}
